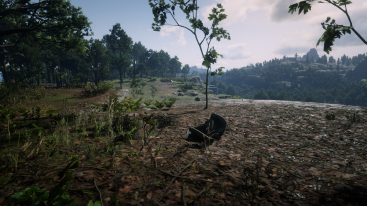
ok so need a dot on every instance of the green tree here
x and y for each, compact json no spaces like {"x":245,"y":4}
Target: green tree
{"x":120,"y":45}
{"x":214,"y":82}
{"x":331,"y":59}
{"x":174,"y":65}
{"x":332,"y":30}
{"x":261,"y":94}
{"x":164,"y":58}
{"x":144,"y":59}
{"x":160,"y":10}
{"x":99,"y":61}
{"x":222,"y":86}
{"x":154,"y":63}
{"x":185,"y":70}
{"x":231,"y":90}
{"x":137,"y":54}
{"x":307,"y":61}
{"x":58,"y":19}
{"x":49,"y":24}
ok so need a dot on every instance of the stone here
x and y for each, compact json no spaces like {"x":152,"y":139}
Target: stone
{"x":180,"y":94}
{"x":194,"y":94}
{"x":197,"y":99}
{"x":174,"y":93}
{"x":197,"y":80}
{"x":312,"y":53}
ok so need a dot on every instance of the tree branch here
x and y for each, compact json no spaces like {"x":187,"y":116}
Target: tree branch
{"x":16,"y":30}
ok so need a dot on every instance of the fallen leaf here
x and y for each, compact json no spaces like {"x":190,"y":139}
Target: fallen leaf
{"x":149,"y":195}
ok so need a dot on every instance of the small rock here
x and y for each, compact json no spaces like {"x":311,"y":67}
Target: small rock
{"x":197,"y":99}
{"x":174,"y":93}
{"x":78,"y":174}
{"x":194,"y":94}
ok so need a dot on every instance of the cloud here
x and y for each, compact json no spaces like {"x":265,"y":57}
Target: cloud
{"x":236,"y":51}
{"x":178,"y":31}
{"x":292,"y":50}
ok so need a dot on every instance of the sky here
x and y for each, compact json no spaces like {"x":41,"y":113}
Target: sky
{"x":259,"y":29}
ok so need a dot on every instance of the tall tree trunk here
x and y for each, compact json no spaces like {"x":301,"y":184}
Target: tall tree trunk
{"x":206,"y":89}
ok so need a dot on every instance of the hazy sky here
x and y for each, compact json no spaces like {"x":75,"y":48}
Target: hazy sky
{"x":259,"y":29}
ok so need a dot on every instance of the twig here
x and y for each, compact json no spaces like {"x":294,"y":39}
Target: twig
{"x":200,"y":193}
{"x":183,"y":193}
{"x":192,"y":179}
{"x":177,"y":176}
{"x":157,"y":203}
{"x":100,"y":194}
{"x":86,"y":188}
{"x":230,"y":176}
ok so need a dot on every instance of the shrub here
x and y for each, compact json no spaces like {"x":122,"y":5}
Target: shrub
{"x":180,"y":79}
{"x":159,"y":105}
{"x":91,"y":89}
{"x":170,"y":102}
{"x":166,"y":80}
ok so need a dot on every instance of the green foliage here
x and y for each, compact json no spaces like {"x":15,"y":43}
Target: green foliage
{"x":89,"y":90}
{"x":165,"y":80}
{"x":330,"y":116}
{"x":153,"y":80}
{"x":35,"y":196}
{"x":97,"y":203}
{"x":153,"y":91}
{"x":7,"y":92}
{"x":137,"y":85}
{"x":309,"y":99}
{"x":261,"y":95}
{"x":97,"y":128}
{"x":148,"y":102}
{"x":51,"y":112}
{"x":236,"y":97}
{"x":180,"y":79}
{"x":170,"y":102}
{"x":127,"y":105}
{"x":158,"y":104}
{"x":125,"y":126}
{"x":353,"y":117}
{"x":6,"y":113}
{"x":214,"y":82}
{"x":231,"y":90}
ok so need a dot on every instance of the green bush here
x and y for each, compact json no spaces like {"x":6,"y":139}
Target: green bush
{"x":165,"y":80}
{"x":91,"y":89}
{"x":170,"y":102}
{"x":180,"y":79}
